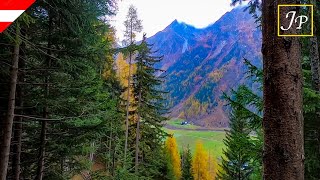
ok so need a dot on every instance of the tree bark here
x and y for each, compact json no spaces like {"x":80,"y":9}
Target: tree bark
{"x":314,"y":53}
{"x":127,"y":109}
{"x":133,"y":24}
{"x":42,"y":150}
{"x":315,"y":63}
{"x":44,"y":124}
{"x":283,"y":156}
{"x":8,"y":121}
{"x":315,"y":69}
{"x":138,"y":134}
{"x":16,"y":159}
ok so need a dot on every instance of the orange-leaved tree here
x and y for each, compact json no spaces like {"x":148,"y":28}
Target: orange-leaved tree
{"x":174,"y":161}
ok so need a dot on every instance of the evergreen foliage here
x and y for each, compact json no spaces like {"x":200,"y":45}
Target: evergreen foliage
{"x":69,"y":117}
{"x":84,"y":111}
{"x":186,"y":159}
{"x":311,"y":104}
{"x":243,"y":155}
{"x":149,"y":110}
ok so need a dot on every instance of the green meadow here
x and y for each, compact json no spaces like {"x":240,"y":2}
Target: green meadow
{"x":188,"y":135}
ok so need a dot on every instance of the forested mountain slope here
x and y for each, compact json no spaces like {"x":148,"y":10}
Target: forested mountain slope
{"x":201,"y":64}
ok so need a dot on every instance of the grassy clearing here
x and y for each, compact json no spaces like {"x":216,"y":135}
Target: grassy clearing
{"x":212,"y":140}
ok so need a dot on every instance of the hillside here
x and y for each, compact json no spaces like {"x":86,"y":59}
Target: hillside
{"x":203,"y":63}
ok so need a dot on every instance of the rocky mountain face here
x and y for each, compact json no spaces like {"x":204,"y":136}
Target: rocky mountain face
{"x":201,"y":64}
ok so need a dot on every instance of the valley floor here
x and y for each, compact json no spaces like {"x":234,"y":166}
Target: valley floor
{"x":188,"y":135}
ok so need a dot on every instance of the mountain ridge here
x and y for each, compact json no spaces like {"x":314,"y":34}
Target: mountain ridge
{"x":201,"y":64}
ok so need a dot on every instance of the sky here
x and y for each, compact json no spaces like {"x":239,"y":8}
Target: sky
{"x":158,"y":14}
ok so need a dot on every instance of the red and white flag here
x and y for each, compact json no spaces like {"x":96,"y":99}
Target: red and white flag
{"x":10,"y":10}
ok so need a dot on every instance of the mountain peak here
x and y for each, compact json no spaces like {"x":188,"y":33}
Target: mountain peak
{"x":177,"y":24}
{"x":181,"y":28}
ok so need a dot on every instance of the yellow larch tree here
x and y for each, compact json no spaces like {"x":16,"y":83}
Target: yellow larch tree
{"x":213,"y":166}
{"x":173,"y":155}
{"x":200,"y":168}
{"x":122,"y":71}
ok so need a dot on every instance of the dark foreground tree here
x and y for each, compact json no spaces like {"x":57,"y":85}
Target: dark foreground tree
{"x":311,"y":69}
{"x":283,"y":116}
{"x":7,"y":124}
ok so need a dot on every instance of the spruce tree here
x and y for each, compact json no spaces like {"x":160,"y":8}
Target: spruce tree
{"x":7,"y":125}
{"x":133,"y":26}
{"x":150,"y":109}
{"x":246,"y":120}
{"x":236,"y":164}
{"x":187,"y":164}
{"x":283,"y":101}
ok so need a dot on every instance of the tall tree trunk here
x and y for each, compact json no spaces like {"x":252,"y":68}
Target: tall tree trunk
{"x":127,"y":109}
{"x":42,"y":150}
{"x":283,"y":119}
{"x":8,"y":121}
{"x":16,"y":159}
{"x":315,"y":70}
{"x":316,"y":23}
{"x":109,"y":163}
{"x":44,"y":124}
{"x":315,"y":63}
{"x":138,"y":134}
{"x":314,"y":55}
{"x":113,"y":161}
{"x":128,"y":91}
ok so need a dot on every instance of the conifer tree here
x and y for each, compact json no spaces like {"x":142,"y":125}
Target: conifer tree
{"x":187,"y":164}
{"x":213,"y":166}
{"x":8,"y":121}
{"x":283,"y":113}
{"x":133,"y":26}
{"x":246,"y":117}
{"x":277,"y":81}
{"x":236,"y":164}
{"x":149,"y":109}
{"x":200,"y":170}
{"x":173,"y":162}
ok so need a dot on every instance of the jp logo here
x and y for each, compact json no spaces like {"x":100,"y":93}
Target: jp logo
{"x":300,"y":24}
{"x":302,"y":19}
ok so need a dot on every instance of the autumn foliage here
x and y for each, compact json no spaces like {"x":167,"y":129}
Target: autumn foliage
{"x":122,"y":75}
{"x":200,"y":165}
{"x":174,"y":162}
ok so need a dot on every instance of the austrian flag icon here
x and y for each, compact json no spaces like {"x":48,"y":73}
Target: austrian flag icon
{"x":10,"y":10}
